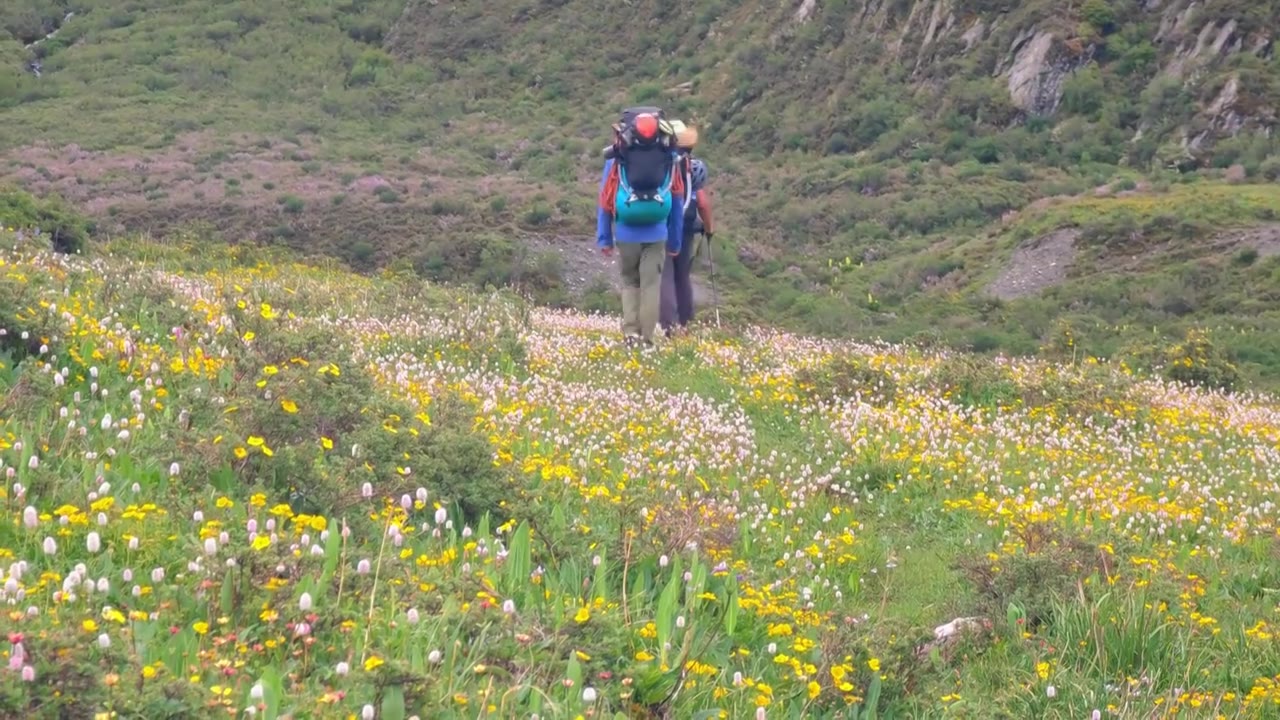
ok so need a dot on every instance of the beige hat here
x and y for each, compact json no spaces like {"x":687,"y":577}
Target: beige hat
{"x":686,"y":136}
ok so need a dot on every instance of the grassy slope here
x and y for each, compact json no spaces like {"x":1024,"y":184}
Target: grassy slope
{"x":461,"y":140}
{"x":833,"y":503}
{"x":1172,"y":261}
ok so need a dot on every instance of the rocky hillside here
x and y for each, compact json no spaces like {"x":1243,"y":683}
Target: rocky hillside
{"x":1154,"y":80}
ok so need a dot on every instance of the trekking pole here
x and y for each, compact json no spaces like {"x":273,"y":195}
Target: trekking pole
{"x":715,"y":294}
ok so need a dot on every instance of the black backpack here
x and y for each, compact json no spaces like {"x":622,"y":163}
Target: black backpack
{"x":647,"y":168}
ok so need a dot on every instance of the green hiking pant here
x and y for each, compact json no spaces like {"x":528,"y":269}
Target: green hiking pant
{"x":641,"y":265}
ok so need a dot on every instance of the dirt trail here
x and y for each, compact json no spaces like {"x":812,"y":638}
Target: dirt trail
{"x":1264,"y":239}
{"x":584,"y":266}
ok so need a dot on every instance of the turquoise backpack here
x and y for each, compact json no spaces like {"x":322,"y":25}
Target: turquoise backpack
{"x":642,"y":208}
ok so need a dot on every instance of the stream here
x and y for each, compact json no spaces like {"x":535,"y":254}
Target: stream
{"x":35,"y":65}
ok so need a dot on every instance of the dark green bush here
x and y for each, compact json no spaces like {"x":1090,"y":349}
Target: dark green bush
{"x":1197,"y":360}
{"x":1045,"y":572}
{"x":846,"y":377}
{"x":67,"y":230}
{"x":974,"y":381}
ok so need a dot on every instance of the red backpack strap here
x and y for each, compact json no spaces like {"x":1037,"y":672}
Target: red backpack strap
{"x":609,"y":192}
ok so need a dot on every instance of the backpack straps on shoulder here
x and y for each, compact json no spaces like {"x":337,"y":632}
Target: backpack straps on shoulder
{"x":685,"y":170}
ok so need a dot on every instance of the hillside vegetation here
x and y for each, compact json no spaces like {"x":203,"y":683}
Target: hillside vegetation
{"x":236,"y":481}
{"x":874,"y":161}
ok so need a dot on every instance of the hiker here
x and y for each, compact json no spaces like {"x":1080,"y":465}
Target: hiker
{"x":641,"y":212}
{"x":677,"y":288}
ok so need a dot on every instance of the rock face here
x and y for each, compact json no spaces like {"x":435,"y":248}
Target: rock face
{"x":1224,"y":116}
{"x":1213,"y":59}
{"x":805,"y":11}
{"x":1045,"y":51}
{"x":1040,"y":66}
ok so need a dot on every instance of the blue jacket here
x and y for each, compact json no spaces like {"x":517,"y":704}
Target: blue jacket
{"x":607,"y":232}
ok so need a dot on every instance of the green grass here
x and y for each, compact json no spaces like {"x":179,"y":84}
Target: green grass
{"x":538,"y":520}
{"x":843,"y":137}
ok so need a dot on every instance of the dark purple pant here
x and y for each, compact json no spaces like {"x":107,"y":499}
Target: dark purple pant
{"x":676,"y":309}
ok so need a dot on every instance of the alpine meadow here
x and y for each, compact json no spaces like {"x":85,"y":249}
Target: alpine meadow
{"x":315,"y":401}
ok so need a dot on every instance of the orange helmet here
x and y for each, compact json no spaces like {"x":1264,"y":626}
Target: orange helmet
{"x":646,"y":126}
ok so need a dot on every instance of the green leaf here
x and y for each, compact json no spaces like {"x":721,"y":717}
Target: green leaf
{"x":574,"y":671}
{"x":393,"y":703}
{"x":599,"y":587}
{"x":667,"y":606}
{"x":174,"y":651}
{"x":653,"y":685}
{"x":224,"y":480}
{"x":272,"y":692}
{"x":519,"y":559}
{"x":143,"y":634}
{"x":416,"y":661}
{"x":640,"y":585}
{"x":1013,"y":614}
{"x":332,"y":551}
{"x":873,"y":698}
{"x":698,"y":583}
{"x":731,"y":611}
{"x":227,"y":593}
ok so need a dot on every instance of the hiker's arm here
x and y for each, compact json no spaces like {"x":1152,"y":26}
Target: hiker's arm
{"x":675,"y":226}
{"x":704,"y":210}
{"x":604,"y":222}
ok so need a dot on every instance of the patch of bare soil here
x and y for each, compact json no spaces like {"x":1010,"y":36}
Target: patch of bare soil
{"x":1037,"y":265}
{"x":1045,"y":261}
{"x":582,"y":265}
